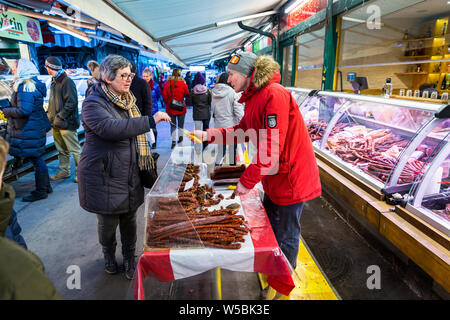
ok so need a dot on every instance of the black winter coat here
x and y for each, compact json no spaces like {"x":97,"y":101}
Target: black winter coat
{"x":108,"y":172}
{"x":27,"y":121}
{"x":63,"y":104}
{"x":201,"y":103}
{"x":143,"y":93}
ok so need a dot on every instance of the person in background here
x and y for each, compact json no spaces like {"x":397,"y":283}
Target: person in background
{"x":227,"y":111}
{"x":22,"y":275}
{"x":93,"y":68}
{"x":291,"y":175}
{"x":142,"y":92}
{"x":176,"y":88}
{"x":188,"y":80}
{"x":115,"y":151}
{"x":64,"y":117}
{"x":201,"y":102}
{"x":28,"y":125}
{"x":147,"y":75}
{"x":161,"y":82}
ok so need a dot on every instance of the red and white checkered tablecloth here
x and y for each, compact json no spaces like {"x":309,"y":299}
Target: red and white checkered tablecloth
{"x":259,"y":253}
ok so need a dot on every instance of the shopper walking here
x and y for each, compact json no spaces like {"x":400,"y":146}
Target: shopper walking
{"x":28,"y":124}
{"x":292,"y":176}
{"x":115,"y":151}
{"x":63,"y":115}
{"x":174,"y":92}
{"x":227,"y":112}
{"x":201,"y":102}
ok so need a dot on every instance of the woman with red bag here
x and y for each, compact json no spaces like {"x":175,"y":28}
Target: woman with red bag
{"x":174,"y":93}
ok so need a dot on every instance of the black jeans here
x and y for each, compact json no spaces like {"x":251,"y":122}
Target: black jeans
{"x":178,"y":121}
{"x":107,"y":226}
{"x":285,"y":222}
{"x":232,"y":150}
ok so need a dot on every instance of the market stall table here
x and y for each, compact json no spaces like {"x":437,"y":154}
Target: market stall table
{"x":262,"y":254}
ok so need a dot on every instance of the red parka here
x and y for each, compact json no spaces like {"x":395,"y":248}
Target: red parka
{"x":291,"y":176}
{"x":175,"y":89}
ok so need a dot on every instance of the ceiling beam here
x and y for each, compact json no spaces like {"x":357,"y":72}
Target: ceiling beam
{"x":112,"y":16}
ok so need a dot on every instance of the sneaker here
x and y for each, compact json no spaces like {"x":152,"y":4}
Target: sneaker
{"x":60,"y":175}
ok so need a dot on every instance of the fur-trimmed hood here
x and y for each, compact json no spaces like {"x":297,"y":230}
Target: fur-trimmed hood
{"x":265,"y":69}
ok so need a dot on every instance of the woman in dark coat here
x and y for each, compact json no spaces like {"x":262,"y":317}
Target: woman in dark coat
{"x":115,"y":150}
{"x":28,"y":124}
{"x":201,"y":102}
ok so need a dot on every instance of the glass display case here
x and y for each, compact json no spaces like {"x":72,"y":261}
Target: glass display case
{"x":429,"y":197}
{"x":395,"y":146}
{"x":299,"y":94}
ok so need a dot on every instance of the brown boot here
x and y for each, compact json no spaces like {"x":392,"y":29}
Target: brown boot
{"x":60,"y":175}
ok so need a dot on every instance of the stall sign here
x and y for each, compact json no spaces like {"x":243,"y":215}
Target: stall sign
{"x":18,"y":27}
{"x":304,"y":11}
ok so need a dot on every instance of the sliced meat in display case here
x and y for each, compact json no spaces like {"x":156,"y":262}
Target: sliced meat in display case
{"x":366,"y":135}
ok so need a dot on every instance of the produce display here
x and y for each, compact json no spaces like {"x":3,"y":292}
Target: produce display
{"x":185,"y":221}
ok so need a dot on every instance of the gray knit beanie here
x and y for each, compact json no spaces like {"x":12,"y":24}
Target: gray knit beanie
{"x":243,"y":62}
{"x":53,"y":63}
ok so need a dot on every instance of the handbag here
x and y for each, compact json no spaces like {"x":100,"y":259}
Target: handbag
{"x":175,"y":104}
{"x":149,"y":176}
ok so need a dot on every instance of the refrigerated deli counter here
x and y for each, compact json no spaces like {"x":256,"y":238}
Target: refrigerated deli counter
{"x":389,"y":160}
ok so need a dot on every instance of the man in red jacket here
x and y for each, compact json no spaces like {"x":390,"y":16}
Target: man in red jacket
{"x":273,"y":122}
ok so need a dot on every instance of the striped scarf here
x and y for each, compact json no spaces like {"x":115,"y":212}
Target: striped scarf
{"x":128,"y":102}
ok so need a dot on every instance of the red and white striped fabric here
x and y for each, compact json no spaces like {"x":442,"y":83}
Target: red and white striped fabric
{"x":259,"y":253}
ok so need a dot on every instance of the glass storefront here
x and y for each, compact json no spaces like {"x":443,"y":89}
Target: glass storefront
{"x":310,"y":58}
{"x":406,"y":41}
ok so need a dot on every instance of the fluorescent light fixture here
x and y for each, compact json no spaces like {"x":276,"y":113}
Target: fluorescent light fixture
{"x":253,"y":16}
{"x":267,"y":28}
{"x":360,"y":21}
{"x":295,"y":5}
{"x":68,"y":31}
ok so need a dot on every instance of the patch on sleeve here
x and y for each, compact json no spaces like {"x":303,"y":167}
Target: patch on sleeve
{"x":272,"y":120}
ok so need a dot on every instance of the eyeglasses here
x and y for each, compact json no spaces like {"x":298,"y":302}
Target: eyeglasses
{"x":127,"y":76}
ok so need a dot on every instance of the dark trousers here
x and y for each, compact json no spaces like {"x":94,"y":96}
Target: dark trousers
{"x":285,"y":222}
{"x":107,"y":226}
{"x":41,"y":177}
{"x":179,"y":122}
{"x":13,"y":230}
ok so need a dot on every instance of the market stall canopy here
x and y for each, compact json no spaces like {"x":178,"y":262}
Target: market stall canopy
{"x":184,"y":31}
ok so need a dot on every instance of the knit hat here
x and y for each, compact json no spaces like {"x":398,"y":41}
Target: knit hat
{"x":53,"y":63}
{"x":243,"y":62}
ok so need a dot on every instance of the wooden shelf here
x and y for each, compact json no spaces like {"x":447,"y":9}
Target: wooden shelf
{"x":421,"y":57}
{"x":422,"y":39}
{"x":417,"y":99}
{"x":410,"y":73}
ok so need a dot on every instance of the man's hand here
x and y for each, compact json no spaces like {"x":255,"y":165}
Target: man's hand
{"x":202,"y":135}
{"x":241,"y":190}
{"x":161,"y":116}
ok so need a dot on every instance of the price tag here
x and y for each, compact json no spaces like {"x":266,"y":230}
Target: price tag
{"x":189,"y":184}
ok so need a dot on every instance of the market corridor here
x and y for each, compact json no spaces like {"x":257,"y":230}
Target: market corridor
{"x":63,"y":235}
